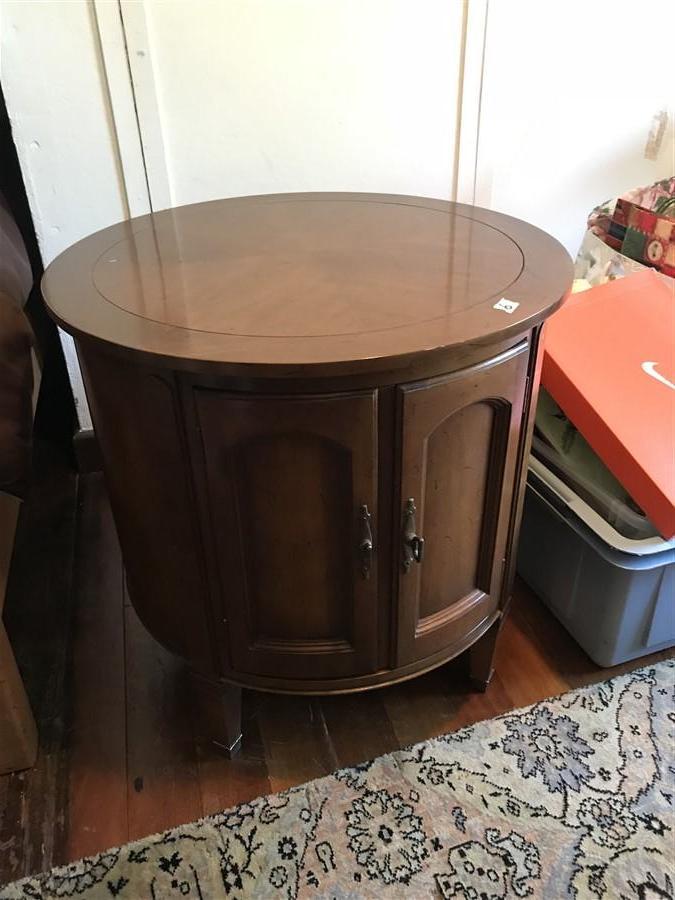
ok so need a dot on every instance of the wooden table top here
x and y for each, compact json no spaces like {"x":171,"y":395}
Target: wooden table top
{"x":307,"y":280}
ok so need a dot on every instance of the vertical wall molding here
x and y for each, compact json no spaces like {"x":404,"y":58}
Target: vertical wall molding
{"x":128,"y":65}
{"x":466,"y":187}
{"x":115,"y":62}
{"x":144,"y":89}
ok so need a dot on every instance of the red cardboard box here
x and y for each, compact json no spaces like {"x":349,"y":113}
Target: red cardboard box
{"x":609,"y":363}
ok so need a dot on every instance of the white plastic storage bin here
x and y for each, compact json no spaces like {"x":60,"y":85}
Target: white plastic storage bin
{"x":614,"y":594}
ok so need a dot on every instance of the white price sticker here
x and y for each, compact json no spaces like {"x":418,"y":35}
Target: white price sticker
{"x":507,"y":306}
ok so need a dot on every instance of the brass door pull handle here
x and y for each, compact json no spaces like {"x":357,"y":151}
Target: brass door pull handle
{"x":366,"y":545}
{"x":413,"y":543}
{"x":417,"y":548}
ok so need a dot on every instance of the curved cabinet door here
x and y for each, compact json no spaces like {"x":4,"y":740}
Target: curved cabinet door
{"x":287,"y":478}
{"x":459,"y":441}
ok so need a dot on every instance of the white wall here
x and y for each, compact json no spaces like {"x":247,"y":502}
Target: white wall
{"x":569,"y":92}
{"x":56,"y":99}
{"x":121,"y":106}
{"x":257,"y":96}
{"x":225,"y":98}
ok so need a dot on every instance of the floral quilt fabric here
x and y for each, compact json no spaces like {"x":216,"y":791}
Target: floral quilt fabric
{"x":641,"y":225}
{"x":571,"y":797}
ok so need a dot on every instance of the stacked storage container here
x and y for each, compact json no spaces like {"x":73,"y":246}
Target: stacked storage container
{"x":589,"y":551}
{"x":601,"y":567}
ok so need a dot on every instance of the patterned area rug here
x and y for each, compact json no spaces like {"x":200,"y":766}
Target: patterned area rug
{"x":571,"y":797}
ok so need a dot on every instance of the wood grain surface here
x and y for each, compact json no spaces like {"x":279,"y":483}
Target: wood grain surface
{"x":294,"y":283}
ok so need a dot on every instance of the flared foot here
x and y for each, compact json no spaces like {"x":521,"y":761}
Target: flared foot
{"x":218,"y":707}
{"x":481,"y":657}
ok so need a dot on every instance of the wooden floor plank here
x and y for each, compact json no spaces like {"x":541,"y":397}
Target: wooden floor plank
{"x":38,"y":619}
{"x":97,"y":726}
{"x":297,"y":746}
{"x":162,"y":773}
{"x":13,"y":826}
{"x":518,"y":654}
{"x":359,"y":726}
{"x":435,"y":703}
{"x":226,"y":782}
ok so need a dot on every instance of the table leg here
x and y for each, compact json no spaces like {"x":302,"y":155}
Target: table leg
{"x":218,"y":707}
{"x":481,"y":657}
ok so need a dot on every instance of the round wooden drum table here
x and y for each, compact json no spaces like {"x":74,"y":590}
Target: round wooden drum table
{"x":314,"y":412}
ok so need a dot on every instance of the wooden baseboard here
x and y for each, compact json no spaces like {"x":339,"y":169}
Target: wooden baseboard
{"x":87,"y":452}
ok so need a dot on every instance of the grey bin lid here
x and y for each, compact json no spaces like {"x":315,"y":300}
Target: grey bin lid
{"x":606,"y":533}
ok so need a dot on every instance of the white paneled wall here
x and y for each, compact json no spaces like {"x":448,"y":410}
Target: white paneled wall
{"x":570,"y":91}
{"x":540,"y":109}
{"x":118,"y":107}
{"x":55,"y":90}
{"x":257,"y":96}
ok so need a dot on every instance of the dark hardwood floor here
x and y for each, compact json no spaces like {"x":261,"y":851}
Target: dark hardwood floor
{"x":121,"y":755}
